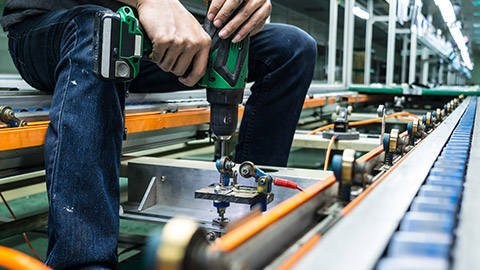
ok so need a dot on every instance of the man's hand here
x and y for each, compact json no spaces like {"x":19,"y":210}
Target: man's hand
{"x":178,"y":39}
{"x":250,"y":19}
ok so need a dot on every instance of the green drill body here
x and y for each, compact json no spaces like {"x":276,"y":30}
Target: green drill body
{"x":225,"y":77}
{"x":212,"y":79}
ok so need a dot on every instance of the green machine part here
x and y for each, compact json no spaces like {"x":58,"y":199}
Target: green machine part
{"x":227,"y":64}
{"x":130,"y":27}
{"x":121,"y":37}
{"x":227,"y":70}
{"x":118,"y":45}
{"x":225,"y":80}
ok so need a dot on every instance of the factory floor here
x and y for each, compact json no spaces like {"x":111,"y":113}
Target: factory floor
{"x":38,"y":203}
{"x":130,"y":256}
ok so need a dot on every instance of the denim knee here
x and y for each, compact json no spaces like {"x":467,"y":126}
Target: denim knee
{"x":79,"y":31}
{"x":293,"y":44}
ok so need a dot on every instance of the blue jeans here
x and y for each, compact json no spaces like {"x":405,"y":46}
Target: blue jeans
{"x":53,"y":52}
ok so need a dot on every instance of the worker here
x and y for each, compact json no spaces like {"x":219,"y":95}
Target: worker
{"x":51,"y":46}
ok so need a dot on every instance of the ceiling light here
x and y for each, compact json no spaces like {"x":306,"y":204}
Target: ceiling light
{"x":447,"y":11}
{"x":362,"y":14}
{"x":448,"y":14}
{"x":458,"y":37}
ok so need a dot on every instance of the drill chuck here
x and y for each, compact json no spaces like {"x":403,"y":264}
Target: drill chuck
{"x":224,"y":110}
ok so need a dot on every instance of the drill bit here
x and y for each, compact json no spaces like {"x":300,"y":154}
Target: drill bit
{"x":222,"y":147}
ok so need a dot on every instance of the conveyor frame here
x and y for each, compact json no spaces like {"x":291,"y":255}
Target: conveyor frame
{"x":364,"y":233}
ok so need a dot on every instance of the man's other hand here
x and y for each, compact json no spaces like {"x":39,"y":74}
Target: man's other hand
{"x":250,"y":19}
{"x":178,"y":39}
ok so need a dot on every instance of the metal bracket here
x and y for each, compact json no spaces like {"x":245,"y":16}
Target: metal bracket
{"x":150,"y":197}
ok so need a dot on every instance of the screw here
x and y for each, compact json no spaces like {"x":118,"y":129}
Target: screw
{"x":162,"y":178}
{"x":211,"y":236}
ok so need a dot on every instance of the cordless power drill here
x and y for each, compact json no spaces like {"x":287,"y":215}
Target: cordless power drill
{"x":119,"y":44}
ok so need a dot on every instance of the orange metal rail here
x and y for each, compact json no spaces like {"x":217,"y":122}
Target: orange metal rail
{"x":34,"y":134}
{"x":364,"y":122}
{"x":300,"y":252}
{"x":250,"y":228}
{"x":357,"y":98}
{"x":315,"y":102}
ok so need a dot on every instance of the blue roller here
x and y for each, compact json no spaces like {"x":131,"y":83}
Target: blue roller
{"x":420,"y":244}
{"x":413,"y":263}
{"x":433,"y":204}
{"x":337,"y":166}
{"x":425,"y":237}
{"x":386,"y":142}
{"x":438,"y":181}
{"x":447,"y":192}
{"x":449,"y":172}
{"x":427,"y":222}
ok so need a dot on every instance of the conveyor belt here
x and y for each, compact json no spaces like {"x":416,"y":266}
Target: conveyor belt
{"x":417,"y":91}
{"x":359,"y":240}
{"x":426,"y":234}
{"x":467,"y":242}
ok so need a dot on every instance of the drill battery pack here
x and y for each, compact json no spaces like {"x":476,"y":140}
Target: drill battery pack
{"x":117,"y":45}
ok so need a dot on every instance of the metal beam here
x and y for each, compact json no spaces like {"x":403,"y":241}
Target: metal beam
{"x":425,"y":66}
{"x":368,"y":44}
{"x":22,"y":225}
{"x":413,"y":55}
{"x":332,"y":41}
{"x":349,"y":27}
{"x":392,"y":24}
{"x":440,"y":73}
{"x":363,"y":144}
{"x":404,"y":59}
{"x":404,"y":31}
{"x":380,"y":18}
{"x":449,"y":76}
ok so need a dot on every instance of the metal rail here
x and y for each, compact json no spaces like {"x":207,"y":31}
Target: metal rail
{"x":468,"y":235}
{"x":34,"y":134}
{"x":369,"y":226}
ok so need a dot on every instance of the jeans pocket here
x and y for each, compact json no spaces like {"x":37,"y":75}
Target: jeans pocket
{"x":14,"y":47}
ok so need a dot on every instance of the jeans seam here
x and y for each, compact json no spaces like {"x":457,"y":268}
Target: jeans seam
{"x":60,"y":114}
{"x":251,"y":119}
